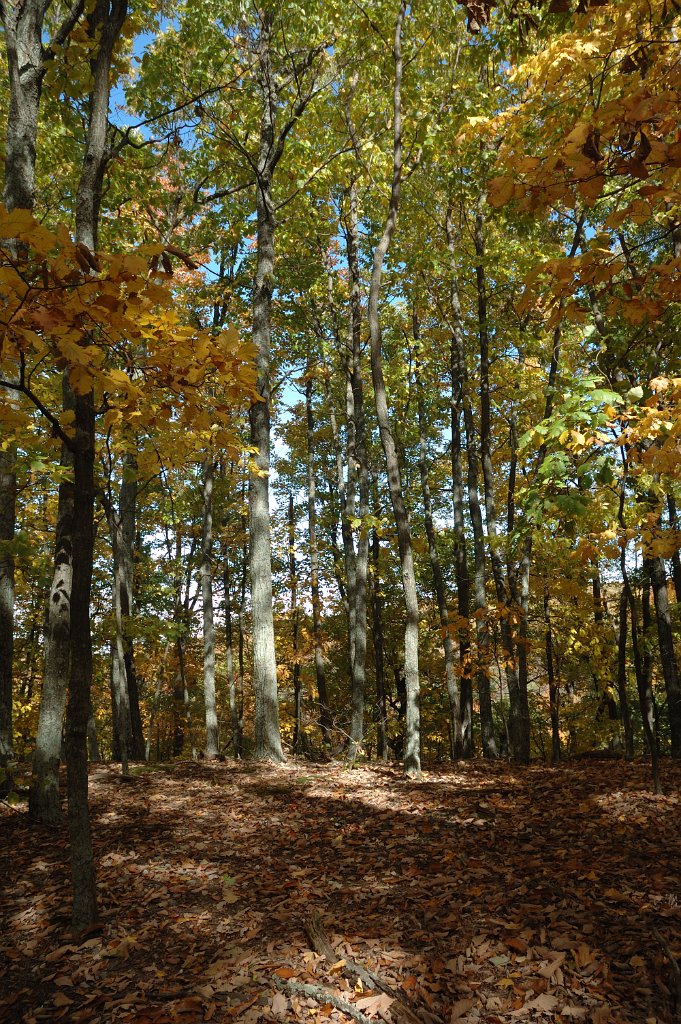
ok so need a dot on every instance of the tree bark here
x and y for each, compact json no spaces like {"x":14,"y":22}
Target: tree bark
{"x":212,"y":748}
{"x":23,"y":28}
{"x":43,"y":799}
{"x":656,"y":572}
{"x":359,"y":455}
{"x":554,"y":689}
{"x":325,"y":721}
{"x":379,"y":660}
{"x":412,"y":754}
{"x":104,"y":26}
{"x":625,"y":713}
{"x":80,"y":677}
{"x":676,"y":557}
{"x":518,"y":746}
{"x":267,"y":734}
{"x":295,"y":631}
{"x":436,"y":569}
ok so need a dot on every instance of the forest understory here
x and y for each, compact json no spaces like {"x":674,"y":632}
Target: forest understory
{"x":481,"y":893}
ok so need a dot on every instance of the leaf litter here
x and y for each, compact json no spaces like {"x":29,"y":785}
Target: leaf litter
{"x":483,"y":893}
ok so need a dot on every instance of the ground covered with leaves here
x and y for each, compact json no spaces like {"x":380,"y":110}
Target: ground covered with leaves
{"x":482,"y":893}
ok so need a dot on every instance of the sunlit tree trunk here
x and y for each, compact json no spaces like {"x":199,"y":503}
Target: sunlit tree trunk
{"x":379,"y":660}
{"x":554,"y":689}
{"x":295,"y":631}
{"x":319,"y":661}
{"x":43,"y":799}
{"x":412,"y":745}
{"x":267,"y":735}
{"x":436,"y":569}
{"x":212,"y":739}
{"x":358,"y":456}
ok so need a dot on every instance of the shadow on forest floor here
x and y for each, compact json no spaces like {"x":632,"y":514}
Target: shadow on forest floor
{"x":483,"y":893}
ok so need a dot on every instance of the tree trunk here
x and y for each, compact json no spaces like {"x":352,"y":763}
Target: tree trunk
{"x":267,"y":734}
{"x":412,"y":755}
{"x":554,"y":690}
{"x":676,"y":557}
{"x":212,"y":748}
{"x":23,"y":28}
{"x":359,"y":456}
{"x":625,"y":713}
{"x":43,"y":799}
{"x":229,"y":657}
{"x":104,"y":26}
{"x":325,"y":721}
{"x":436,"y":570}
{"x":82,"y":860}
{"x":642,"y":667}
{"x":295,"y":632}
{"x":379,"y":661}
{"x":656,"y":572}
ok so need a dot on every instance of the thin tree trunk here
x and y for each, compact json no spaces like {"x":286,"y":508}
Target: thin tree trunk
{"x":642,"y":666}
{"x":625,"y":713}
{"x":412,"y":756}
{"x":676,"y":557}
{"x":379,"y":660}
{"x":295,"y":631}
{"x":229,"y":638}
{"x":656,"y":572}
{"x":325,"y":721}
{"x":554,"y":690}
{"x":359,"y":456}
{"x":493,"y":537}
{"x":436,"y":569}
{"x":212,"y":748}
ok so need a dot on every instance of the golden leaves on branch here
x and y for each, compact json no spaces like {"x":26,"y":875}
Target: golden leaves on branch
{"x":112,"y":322}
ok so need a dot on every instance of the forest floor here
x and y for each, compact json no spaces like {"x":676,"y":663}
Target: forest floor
{"x":482,"y":893}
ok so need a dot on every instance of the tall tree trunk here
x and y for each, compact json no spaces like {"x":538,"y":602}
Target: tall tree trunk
{"x":43,"y":799}
{"x":656,"y":572}
{"x":325,"y":721}
{"x":625,"y":713}
{"x":104,"y":26}
{"x":460,"y":371}
{"x":412,"y":754}
{"x":229,"y":658}
{"x":676,"y":557}
{"x":379,"y":660}
{"x":461,"y":565}
{"x":124,"y":580}
{"x":295,"y":632}
{"x":554,"y":690}
{"x":436,"y":569}
{"x":23,"y":29}
{"x":493,"y":537}
{"x":212,"y":748}
{"x":80,"y":677}
{"x":267,"y":734}
{"x":359,"y":455}
{"x":642,"y":666}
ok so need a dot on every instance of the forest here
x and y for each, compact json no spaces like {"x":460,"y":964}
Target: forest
{"x":340,"y":453}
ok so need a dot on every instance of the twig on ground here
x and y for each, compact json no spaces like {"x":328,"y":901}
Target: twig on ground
{"x":322,"y":996}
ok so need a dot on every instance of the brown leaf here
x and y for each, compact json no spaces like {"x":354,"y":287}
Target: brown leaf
{"x":460,"y":1007}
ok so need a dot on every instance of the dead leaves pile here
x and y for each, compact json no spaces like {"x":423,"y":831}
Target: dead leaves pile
{"x":481,"y":894}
